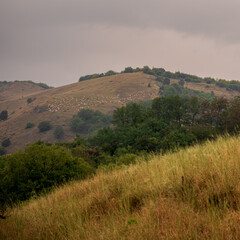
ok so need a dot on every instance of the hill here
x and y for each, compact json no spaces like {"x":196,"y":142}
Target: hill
{"x":58,"y":105}
{"x":191,"y":194}
{"x":19,"y":89}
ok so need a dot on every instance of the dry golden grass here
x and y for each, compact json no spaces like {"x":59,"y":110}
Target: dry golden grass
{"x":191,"y":194}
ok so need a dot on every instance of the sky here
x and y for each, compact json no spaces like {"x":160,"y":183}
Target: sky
{"x":57,"y":41}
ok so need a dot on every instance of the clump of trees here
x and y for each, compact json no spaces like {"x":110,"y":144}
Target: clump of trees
{"x":171,"y":122}
{"x":161,"y":74}
{"x":88,"y":121}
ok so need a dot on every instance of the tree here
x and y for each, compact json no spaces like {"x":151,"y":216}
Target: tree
{"x":44,"y":126}
{"x":128,"y":70}
{"x":6,"y":142}
{"x":2,"y":151}
{"x":4,"y":115}
{"x":58,"y":132}
{"x":166,"y":81}
{"x":29,"y":125}
{"x":181,"y":82}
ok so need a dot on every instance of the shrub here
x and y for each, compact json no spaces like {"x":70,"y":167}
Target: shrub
{"x":44,"y":126}
{"x":166,"y":81}
{"x":6,"y":142}
{"x":4,"y":115}
{"x":2,"y":151}
{"x":128,"y":70}
{"x":29,"y":100}
{"x":38,"y":169}
{"x":58,"y":132}
{"x":29,"y":125}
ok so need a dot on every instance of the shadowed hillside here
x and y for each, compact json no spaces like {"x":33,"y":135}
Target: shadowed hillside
{"x":191,"y":194}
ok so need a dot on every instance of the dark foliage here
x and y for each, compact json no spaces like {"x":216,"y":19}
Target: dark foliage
{"x":88,"y":121}
{"x":44,"y":126}
{"x":58,"y":132}
{"x":6,"y":142}
{"x":4,"y":115}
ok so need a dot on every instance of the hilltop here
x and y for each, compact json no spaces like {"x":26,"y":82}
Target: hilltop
{"x":191,"y":194}
{"x":104,"y":93}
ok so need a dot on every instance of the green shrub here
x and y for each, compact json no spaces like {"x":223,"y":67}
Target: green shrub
{"x":2,"y":151}
{"x":44,"y":126}
{"x":29,"y":100}
{"x":6,"y":142}
{"x":4,"y":115}
{"x":30,"y":125}
{"x":38,"y":169}
{"x":58,"y":132}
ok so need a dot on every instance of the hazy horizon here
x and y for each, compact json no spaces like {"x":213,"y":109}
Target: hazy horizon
{"x":57,"y":41}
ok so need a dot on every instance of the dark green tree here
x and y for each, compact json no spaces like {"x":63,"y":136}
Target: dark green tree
{"x":4,"y":115}
{"x":44,"y":126}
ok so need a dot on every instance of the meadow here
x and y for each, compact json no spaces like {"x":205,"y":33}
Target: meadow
{"x":190,"y":194}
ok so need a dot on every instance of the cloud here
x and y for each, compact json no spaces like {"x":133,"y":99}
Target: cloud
{"x":56,"y":41}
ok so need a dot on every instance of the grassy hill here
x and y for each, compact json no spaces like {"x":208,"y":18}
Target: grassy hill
{"x":58,"y":105}
{"x":191,"y":194}
{"x":19,"y":89}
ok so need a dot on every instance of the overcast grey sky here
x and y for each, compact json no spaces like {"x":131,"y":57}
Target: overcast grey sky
{"x":57,"y":41}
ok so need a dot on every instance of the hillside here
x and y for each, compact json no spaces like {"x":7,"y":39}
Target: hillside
{"x":58,"y":105}
{"x":18,"y":90}
{"x":191,"y":194}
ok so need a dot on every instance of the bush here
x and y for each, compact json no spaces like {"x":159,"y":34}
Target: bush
{"x":58,"y":132}
{"x":2,"y":151}
{"x":4,"y":115}
{"x":6,"y":142}
{"x":29,"y":100}
{"x":44,"y":126}
{"x":29,"y":125}
{"x":38,"y":169}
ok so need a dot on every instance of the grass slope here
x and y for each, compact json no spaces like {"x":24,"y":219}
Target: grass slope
{"x":191,"y":194}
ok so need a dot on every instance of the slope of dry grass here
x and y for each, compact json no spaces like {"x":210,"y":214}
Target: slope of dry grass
{"x":191,"y":194}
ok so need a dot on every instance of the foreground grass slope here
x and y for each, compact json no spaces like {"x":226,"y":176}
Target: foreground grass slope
{"x":191,"y":194}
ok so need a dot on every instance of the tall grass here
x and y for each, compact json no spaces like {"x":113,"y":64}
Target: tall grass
{"x":191,"y":194}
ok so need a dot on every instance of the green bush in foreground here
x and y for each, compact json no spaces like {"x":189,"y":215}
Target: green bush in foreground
{"x":38,"y":169}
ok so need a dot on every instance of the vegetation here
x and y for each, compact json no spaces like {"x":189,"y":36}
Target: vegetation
{"x":58,"y":132}
{"x":30,"y":125}
{"x":42,"y":85}
{"x":164,"y":76}
{"x":178,"y":89}
{"x":4,"y":115}
{"x":88,"y":121}
{"x":38,"y":169}
{"x":29,"y":100}
{"x":170,"y":122}
{"x":3,"y":151}
{"x":191,"y":194}
{"x":44,"y":126}
{"x":6,"y":142}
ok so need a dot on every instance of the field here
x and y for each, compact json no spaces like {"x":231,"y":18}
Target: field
{"x":191,"y":194}
{"x":58,"y":105}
